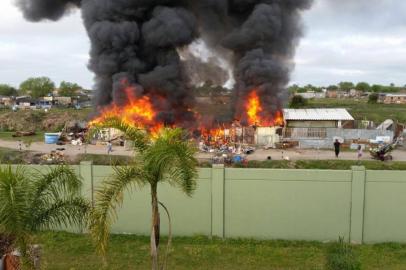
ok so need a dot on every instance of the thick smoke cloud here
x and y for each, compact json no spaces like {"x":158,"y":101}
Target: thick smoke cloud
{"x":136,"y":41}
{"x":263,"y":36}
{"x":36,"y":10}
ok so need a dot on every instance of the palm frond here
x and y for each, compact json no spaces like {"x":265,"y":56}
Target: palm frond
{"x":58,"y":181}
{"x":14,"y":204}
{"x":136,"y":135}
{"x":71,"y":211}
{"x":172,"y":157}
{"x":108,"y":198}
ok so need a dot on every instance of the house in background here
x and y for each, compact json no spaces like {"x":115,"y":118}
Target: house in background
{"x":312,"y":94}
{"x":333,"y":93}
{"x":25,"y":102}
{"x":317,"y":118}
{"x":6,"y":101}
{"x":319,"y":128}
{"x":392,"y":98}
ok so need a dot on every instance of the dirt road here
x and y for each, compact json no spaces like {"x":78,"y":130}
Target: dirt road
{"x":292,"y":154}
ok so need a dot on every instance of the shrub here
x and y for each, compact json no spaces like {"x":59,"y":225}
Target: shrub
{"x":298,"y":102}
{"x":373,"y":98}
{"x":341,"y":256}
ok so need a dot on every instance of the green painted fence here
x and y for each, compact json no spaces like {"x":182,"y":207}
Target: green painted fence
{"x":363,"y":206}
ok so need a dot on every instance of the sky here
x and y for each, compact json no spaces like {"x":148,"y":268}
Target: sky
{"x":345,"y":40}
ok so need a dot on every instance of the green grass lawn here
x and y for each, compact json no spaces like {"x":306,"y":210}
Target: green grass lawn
{"x":38,"y":137}
{"x":361,"y":110}
{"x":63,"y":251}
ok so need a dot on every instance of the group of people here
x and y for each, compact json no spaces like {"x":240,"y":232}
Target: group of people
{"x":337,"y":146}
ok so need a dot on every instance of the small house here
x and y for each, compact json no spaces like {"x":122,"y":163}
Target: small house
{"x":393,"y":99}
{"x":26,"y":102}
{"x":317,"y":118}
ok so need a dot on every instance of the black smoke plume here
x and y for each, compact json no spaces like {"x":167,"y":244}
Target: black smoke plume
{"x":138,"y":40}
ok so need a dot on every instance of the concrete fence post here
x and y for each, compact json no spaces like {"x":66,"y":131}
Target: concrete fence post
{"x":357,"y":204}
{"x":86,"y":172}
{"x":217,"y":200}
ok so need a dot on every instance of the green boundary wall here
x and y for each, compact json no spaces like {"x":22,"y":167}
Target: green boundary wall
{"x":317,"y":205}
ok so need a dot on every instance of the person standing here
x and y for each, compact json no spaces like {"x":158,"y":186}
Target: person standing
{"x":337,"y":145}
{"x":359,"y":152}
{"x":109,"y":147}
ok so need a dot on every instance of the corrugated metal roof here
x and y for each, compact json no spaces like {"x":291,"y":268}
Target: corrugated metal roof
{"x":396,"y":95}
{"x":317,"y":114}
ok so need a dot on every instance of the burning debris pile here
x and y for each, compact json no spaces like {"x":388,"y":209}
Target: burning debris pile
{"x":139,"y":73}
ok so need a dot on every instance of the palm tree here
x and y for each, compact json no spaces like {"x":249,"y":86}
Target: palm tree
{"x":33,"y":201}
{"x":168,"y":157}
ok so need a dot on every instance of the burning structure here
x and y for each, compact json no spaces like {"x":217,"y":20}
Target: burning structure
{"x":140,"y":76}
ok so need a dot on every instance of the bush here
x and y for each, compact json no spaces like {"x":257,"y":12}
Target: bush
{"x":341,"y":256}
{"x":373,"y":98}
{"x":298,"y":102}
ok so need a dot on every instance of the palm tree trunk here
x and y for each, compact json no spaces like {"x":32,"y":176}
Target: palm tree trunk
{"x":155,"y":230}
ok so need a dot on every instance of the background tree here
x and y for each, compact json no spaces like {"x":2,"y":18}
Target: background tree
{"x":168,"y":158}
{"x":37,"y":87}
{"x":30,"y":202}
{"x":346,"y":86}
{"x":332,"y":87}
{"x":298,"y":102}
{"x":373,"y":98}
{"x":68,"y":89}
{"x":363,"y":86}
{"x":377,"y":88}
{"x":312,"y":88}
{"x":7,"y":90}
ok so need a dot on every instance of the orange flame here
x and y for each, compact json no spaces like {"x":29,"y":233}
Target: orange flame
{"x":138,"y":112}
{"x":254,"y":108}
{"x":214,"y":133}
{"x":255,"y":111}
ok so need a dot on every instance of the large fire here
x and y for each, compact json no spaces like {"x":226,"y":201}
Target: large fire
{"x":253,"y":108}
{"x":138,"y":112}
{"x":255,"y":113}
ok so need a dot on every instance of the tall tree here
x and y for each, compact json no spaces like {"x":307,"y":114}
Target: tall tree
{"x":332,"y":87}
{"x":7,"y":90}
{"x":32,"y":201}
{"x":377,"y":88}
{"x":167,"y":158}
{"x":293,"y":89}
{"x":346,"y":86}
{"x":363,"y":86}
{"x":37,"y":87}
{"x":68,"y":89}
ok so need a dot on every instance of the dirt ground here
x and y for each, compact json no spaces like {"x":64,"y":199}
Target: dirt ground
{"x":260,"y":154}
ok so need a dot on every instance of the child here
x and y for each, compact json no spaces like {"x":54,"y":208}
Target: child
{"x":359,"y":152}
{"x":109,"y":147}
